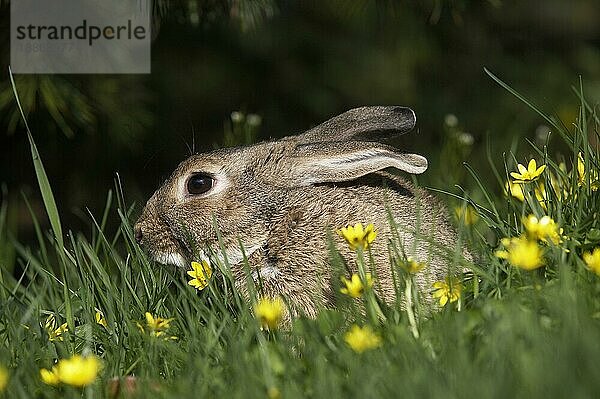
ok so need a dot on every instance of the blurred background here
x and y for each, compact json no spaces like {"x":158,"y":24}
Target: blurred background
{"x":227,"y":72}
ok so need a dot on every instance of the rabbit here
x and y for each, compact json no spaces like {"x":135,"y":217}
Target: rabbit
{"x":280,"y":202}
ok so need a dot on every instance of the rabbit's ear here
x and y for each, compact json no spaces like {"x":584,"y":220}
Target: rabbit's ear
{"x":345,"y":161}
{"x":363,"y":124}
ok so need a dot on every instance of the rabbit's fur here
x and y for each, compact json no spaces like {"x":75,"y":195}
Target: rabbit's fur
{"x":281,"y":198}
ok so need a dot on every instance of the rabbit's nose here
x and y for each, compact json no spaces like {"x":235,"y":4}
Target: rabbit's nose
{"x":137,"y":233}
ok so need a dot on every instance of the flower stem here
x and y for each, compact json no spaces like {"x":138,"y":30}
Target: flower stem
{"x":409,"y":308}
{"x":374,"y":311}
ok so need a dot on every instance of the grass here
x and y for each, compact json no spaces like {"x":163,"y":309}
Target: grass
{"x":513,"y":333}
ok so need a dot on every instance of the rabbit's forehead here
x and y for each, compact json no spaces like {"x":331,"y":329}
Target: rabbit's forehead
{"x":207,"y":164}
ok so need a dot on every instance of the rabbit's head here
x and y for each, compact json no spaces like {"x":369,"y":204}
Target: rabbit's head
{"x":238,"y":195}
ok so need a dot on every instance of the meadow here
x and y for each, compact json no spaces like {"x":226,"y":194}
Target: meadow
{"x":524,"y":322}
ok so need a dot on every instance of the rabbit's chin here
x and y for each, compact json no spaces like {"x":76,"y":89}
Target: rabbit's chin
{"x":171,"y":258}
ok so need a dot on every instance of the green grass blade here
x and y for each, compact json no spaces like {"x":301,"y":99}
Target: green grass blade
{"x":40,"y":172}
{"x":531,"y":105}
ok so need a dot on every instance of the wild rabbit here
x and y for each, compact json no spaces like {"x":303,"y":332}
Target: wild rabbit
{"x":279,"y":199}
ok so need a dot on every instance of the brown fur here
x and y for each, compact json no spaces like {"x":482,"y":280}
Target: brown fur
{"x":283,"y":197}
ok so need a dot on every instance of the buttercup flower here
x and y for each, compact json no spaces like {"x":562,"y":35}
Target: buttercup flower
{"x":50,"y":377}
{"x":156,"y":326}
{"x":54,"y":332}
{"x":518,"y":191}
{"x":467,"y":215}
{"x":528,"y":174}
{"x":355,"y":287}
{"x":448,"y":290}
{"x":560,"y":184}
{"x":3,"y":378}
{"x":581,"y":175}
{"x":544,"y":229}
{"x":269,"y":312}
{"x":412,"y":266}
{"x":78,"y":371}
{"x":541,"y":196}
{"x":100,"y":319}
{"x":362,"y":339}
{"x":357,"y":237}
{"x":521,"y":252}
{"x":514,"y":190}
{"x":592,"y":260}
{"x":200,"y":273}
{"x":580,"y":169}
{"x":157,"y":323}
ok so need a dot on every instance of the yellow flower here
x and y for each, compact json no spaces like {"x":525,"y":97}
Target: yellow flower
{"x":157,"y":323}
{"x":362,"y":339}
{"x":580,"y":169}
{"x":78,"y":371}
{"x":592,"y":260}
{"x":156,"y":326}
{"x":200,"y":274}
{"x":528,"y":174}
{"x":448,"y":290}
{"x":357,"y":237}
{"x":100,"y":319}
{"x":518,"y":191}
{"x":521,"y":252}
{"x":54,"y":333}
{"x":50,"y":377}
{"x":412,"y":266}
{"x":467,"y":215}
{"x":542,"y":196}
{"x":355,"y":287}
{"x":559,"y":184}
{"x":269,"y":312}
{"x":515,"y":190}
{"x":581,"y":177}
{"x":3,"y":378}
{"x":544,"y":229}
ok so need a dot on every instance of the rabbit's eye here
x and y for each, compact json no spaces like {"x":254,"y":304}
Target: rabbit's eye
{"x":199,"y":183}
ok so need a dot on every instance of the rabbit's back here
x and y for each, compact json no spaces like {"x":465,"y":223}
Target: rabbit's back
{"x":297,"y":260}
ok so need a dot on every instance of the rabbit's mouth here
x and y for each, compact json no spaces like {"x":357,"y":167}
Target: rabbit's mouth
{"x":176,"y":254}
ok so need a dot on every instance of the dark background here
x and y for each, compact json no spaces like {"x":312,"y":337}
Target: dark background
{"x":295,"y":64}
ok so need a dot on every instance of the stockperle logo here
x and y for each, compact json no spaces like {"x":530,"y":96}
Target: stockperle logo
{"x":80,"y":36}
